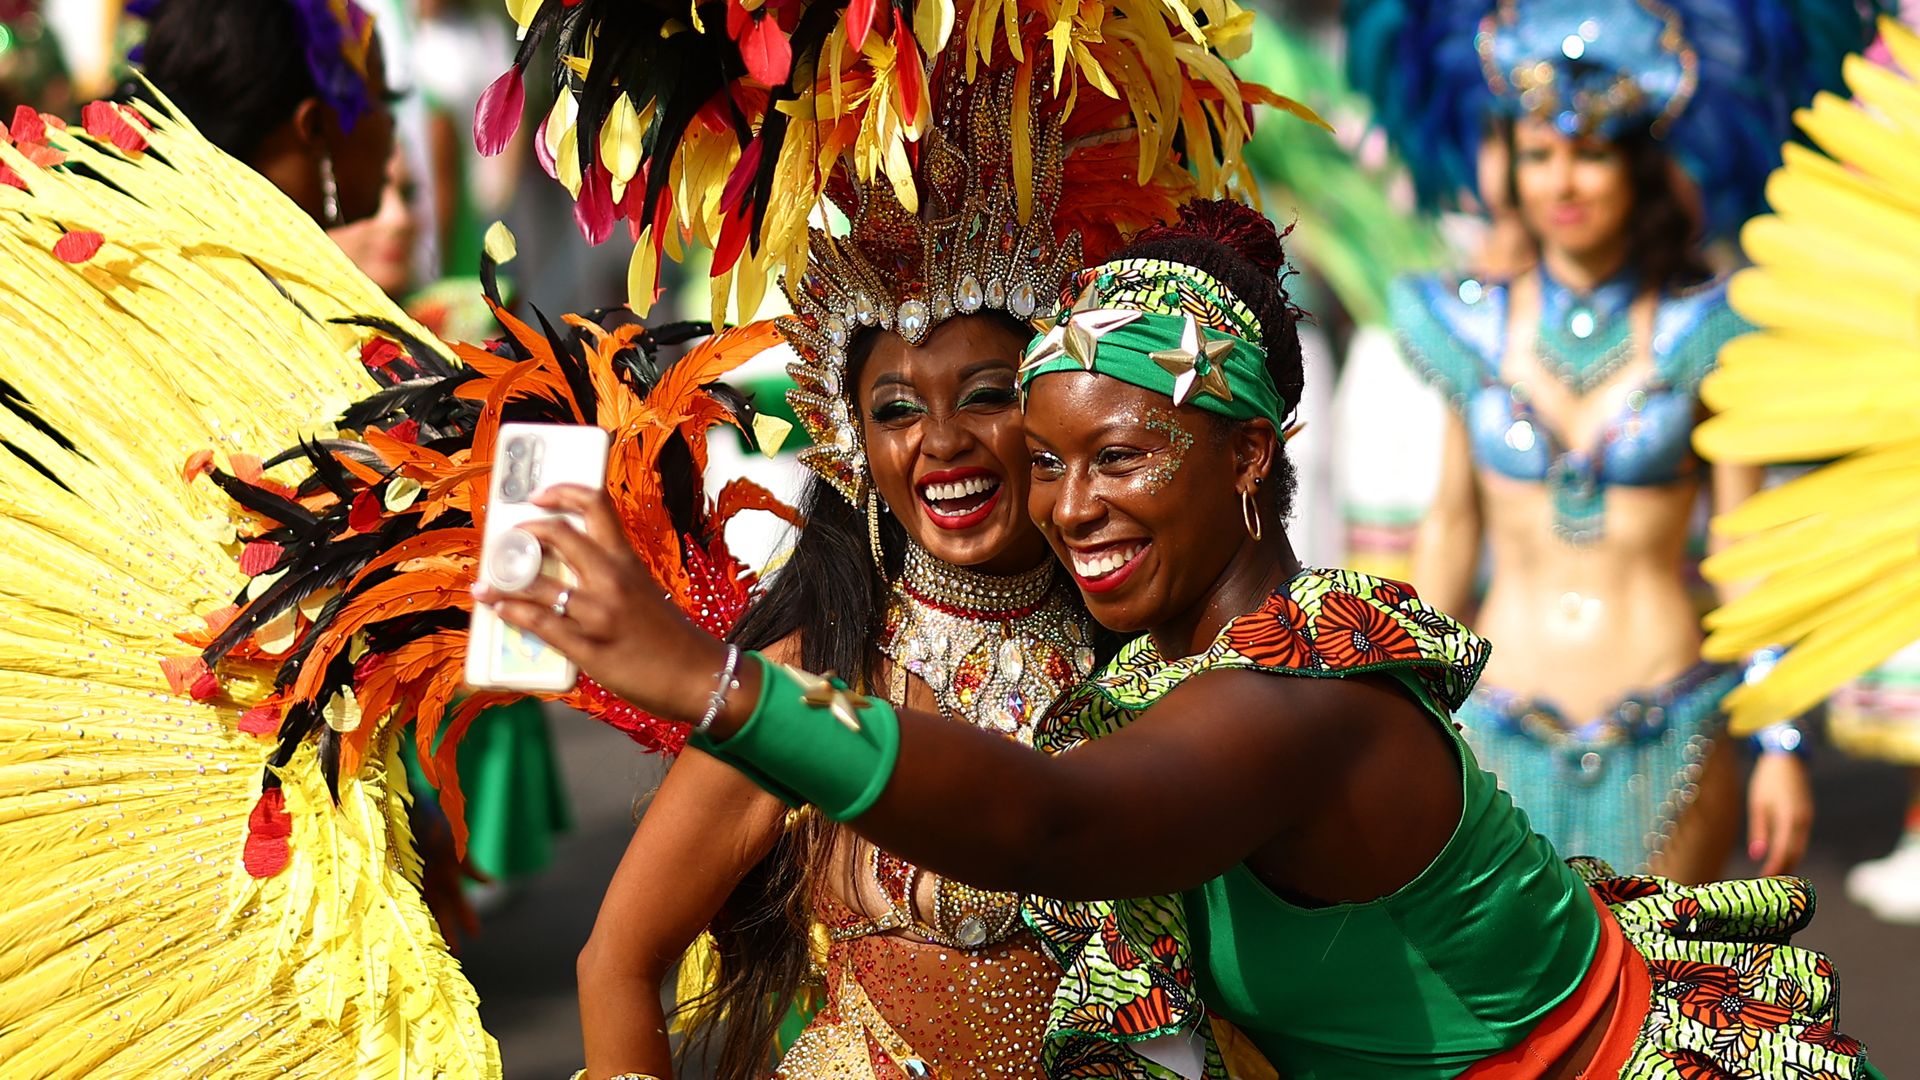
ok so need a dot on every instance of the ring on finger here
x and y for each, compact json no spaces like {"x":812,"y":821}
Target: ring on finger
{"x":559,"y":606}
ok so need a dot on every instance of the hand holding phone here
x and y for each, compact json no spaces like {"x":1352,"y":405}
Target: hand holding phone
{"x":528,"y":459}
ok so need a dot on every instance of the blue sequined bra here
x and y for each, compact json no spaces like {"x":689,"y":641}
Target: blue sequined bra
{"x":1455,"y":334}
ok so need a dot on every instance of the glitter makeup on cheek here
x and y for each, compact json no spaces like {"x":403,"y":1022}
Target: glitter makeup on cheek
{"x":1179,"y":441}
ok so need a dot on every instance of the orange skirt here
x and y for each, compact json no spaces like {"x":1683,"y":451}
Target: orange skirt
{"x":1618,"y":976}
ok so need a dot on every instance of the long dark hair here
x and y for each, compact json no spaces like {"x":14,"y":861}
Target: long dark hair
{"x":1243,"y":250}
{"x":828,"y":594}
{"x":1663,"y":233}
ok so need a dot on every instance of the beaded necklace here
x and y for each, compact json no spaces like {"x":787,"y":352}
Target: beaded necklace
{"x":1583,"y":338}
{"x":994,"y":650}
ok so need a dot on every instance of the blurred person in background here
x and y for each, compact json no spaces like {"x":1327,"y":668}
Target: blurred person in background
{"x":296,"y":89}
{"x":1574,"y":387}
{"x":299,"y":93}
{"x":32,"y":72}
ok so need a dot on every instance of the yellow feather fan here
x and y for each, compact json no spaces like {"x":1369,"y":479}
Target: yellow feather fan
{"x":182,"y":300}
{"x":1834,"y":373}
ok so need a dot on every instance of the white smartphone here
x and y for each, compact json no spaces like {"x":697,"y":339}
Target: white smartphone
{"x":527,"y":459}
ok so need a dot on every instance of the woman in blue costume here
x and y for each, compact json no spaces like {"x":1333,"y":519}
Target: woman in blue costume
{"x":1632,"y":130}
{"x":1271,"y":768}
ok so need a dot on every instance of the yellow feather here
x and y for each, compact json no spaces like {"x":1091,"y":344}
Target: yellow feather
{"x":620,"y":139}
{"x":1835,"y":367}
{"x":643,"y":273}
{"x":933,"y":25}
{"x":1893,"y":98}
{"x":133,"y":942}
{"x":1903,"y":43}
{"x":1866,"y":142}
{"x":1022,"y":129}
{"x":1842,"y":650}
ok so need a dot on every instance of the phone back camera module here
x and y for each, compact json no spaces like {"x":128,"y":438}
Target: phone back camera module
{"x":522,"y":479}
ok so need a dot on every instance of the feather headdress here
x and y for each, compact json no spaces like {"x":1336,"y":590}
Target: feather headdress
{"x":358,"y":597}
{"x":1717,"y":80}
{"x":159,"y":298}
{"x":725,"y":123}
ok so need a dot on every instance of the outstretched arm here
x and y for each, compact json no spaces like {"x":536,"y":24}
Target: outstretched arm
{"x":1194,"y":785}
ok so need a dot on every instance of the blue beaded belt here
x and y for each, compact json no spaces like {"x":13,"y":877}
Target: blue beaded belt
{"x":1611,"y":787}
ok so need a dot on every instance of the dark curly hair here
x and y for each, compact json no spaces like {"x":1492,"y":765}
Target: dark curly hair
{"x":1243,"y":250}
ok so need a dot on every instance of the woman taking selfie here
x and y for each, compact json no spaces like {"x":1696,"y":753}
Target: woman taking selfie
{"x":918,"y":577}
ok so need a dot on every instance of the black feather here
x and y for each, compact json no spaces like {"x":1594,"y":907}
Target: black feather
{"x":317,"y":564}
{"x":295,"y":726}
{"x":679,"y":333}
{"x":428,"y":400}
{"x":573,"y":365}
{"x":327,"y":472}
{"x":261,"y":501}
{"x":291,"y":664}
{"x":330,"y":760}
{"x":427,"y":360}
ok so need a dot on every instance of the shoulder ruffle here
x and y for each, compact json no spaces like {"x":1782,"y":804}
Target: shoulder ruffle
{"x":1321,"y":624}
{"x":1452,"y":330}
{"x":1689,"y":331}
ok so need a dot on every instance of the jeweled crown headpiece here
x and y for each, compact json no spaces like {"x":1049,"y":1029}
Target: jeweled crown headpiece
{"x":1716,"y":80}
{"x":1587,"y":75}
{"x":970,"y":141}
{"x":969,"y":249}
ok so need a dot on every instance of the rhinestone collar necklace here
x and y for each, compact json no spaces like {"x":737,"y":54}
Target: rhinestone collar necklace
{"x":961,"y":591}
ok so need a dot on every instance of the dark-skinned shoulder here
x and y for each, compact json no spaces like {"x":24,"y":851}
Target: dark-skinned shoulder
{"x":1301,"y":735}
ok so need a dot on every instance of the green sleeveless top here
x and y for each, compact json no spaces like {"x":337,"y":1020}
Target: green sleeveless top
{"x":1457,"y":965}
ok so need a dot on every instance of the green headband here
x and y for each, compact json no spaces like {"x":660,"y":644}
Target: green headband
{"x":1166,"y":327}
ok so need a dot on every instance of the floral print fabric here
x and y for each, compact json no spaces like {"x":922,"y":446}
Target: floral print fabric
{"x":1732,"y":1000}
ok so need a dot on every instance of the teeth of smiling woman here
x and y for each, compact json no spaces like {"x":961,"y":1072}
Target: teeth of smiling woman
{"x":1106,"y":562}
{"x":978,"y":485}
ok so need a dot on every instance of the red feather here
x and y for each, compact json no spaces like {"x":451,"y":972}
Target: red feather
{"x":268,"y":828}
{"x":78,"y":247}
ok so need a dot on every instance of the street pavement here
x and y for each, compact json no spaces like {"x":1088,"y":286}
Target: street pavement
{"x":522,"y":962}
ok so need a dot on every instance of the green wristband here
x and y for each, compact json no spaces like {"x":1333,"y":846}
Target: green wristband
{"x":811,"y":739}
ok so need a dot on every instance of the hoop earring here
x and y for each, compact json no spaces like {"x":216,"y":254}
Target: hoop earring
{"x":329,"y":193}
{"x":1250,"y":515}
{"x":873,"y":531}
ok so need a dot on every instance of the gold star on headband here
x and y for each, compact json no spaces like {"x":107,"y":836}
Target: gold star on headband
{"x":822,"y":694}
{"x":1086,"y":328}
{"x":1078,"y":332}
{"x":1184,"y":364}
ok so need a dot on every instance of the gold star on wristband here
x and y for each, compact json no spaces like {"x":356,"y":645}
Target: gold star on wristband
{"x":822,"y":694}
{"x":1078,"y":332}
{"x":1184,"y":364}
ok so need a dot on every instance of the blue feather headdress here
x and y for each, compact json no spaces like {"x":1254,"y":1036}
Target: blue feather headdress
{"x":1716,"y":80}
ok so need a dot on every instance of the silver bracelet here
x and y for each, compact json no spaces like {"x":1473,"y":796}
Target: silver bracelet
{"x":725,"y":685}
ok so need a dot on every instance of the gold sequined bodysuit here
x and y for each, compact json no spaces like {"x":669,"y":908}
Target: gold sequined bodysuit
{"x":924,"y":976}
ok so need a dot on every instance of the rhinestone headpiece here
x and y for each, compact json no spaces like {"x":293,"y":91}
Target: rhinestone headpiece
{"x":969,"y":249}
